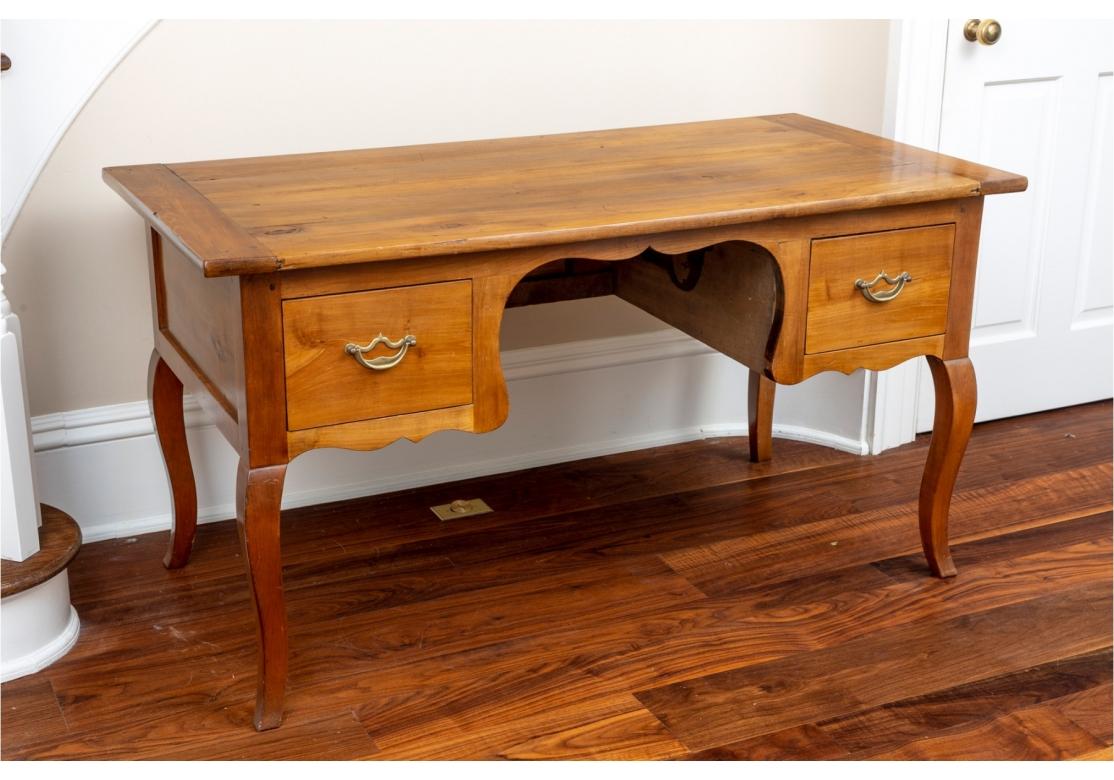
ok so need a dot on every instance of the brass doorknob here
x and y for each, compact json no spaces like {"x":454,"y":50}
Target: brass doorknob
{"x":985,"y":31}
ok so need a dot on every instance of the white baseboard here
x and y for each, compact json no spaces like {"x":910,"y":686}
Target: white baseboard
{"x":568,"y":401}
{"x":815,"y":436}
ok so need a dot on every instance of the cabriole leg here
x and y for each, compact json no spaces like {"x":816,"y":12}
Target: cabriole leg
{"x":760,"y":406}
{"x":954,"y":381}
{"x":258,"y":499}
{"x":164,"y":390}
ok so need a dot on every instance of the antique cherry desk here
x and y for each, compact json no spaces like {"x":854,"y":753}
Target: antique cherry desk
{"x":348,"y":299}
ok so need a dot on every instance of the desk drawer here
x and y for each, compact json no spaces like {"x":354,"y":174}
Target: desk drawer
{"x":840,"y":316}
{"x":326,"y":383}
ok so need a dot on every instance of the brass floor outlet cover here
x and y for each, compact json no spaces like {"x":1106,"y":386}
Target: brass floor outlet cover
{"x":461,"y":508}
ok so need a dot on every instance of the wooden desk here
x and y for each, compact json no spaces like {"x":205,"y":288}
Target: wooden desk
{"x":766,"y":238}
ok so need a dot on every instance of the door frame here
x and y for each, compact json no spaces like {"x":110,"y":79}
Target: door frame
{"x":913,"y":107}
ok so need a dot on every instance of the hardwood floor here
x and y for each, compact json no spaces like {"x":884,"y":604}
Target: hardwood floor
{"x":679,"y":602}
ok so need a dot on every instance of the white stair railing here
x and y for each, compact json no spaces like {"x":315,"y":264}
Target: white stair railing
{"x":19,"y":509}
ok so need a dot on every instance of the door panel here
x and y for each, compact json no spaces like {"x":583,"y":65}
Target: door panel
{"x":1095,"y":282}
{"x":1019,"y":124}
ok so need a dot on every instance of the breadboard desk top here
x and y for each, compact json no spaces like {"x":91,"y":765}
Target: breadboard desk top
{"x":261,"y":214}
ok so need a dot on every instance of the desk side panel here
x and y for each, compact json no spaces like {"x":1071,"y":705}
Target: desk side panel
{"x":732,"y":308}
{"x":197,"y":329}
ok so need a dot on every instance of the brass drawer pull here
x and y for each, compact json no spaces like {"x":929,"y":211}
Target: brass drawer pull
{"x":886,"y":295}
{"x":386,"y":361}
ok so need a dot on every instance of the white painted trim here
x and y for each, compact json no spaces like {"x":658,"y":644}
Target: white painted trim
{"x":894,"y":394}
{"x":20,"y":516}
{"x":814,"y":436}
{"x":39,"y":627}
{"x":102,"y":423}
{"x":600,"y":353}
{"x":88,"y":457}
{"x":914,"y":101}
{"x":46,"y":655}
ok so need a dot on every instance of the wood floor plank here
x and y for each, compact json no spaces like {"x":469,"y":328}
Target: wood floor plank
{"x":30,"y":712}
{"x":636,"y":735}
{"x":338,"y":738}
{"x":332,"y":533}
{"x":887,"y":665}
{"x":1034,"y":734}
{"x":183,"y":738}
{"x":1097,"y":528}
{"x":799,"y":743}
{"x":713,"y":635}
{"x":864,"y":536}
{"x":469,"y":736}
{"x":301,"y":616}
{"x":613,"y":728}
{"x":1102,"y":754}
{"x":646,"y":527}
{"x":750,"y":626}
{"x":527,"y":633}
{"x":893,"y":724}
{"x":752,"y":637}
{"x":421,"y":695}
{"x":376,"y":640}
{"x":1092,"y":709}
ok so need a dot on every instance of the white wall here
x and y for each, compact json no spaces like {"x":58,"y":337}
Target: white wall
{"x":56,"y":66}
{"x":198,"y":90}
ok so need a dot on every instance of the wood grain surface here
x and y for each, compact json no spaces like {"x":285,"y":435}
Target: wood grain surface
{"x":331,"y":208}
{"x":680,"y":602}
{"x":840,"y":317}
{"x":164,"y":394}
{"x":182,"y":214}
{"x":201,"y":318}
{"x":59,"y":543}
{"x":956,"y":398}
{"x":326,"y":386}
{"x":760,"y":416}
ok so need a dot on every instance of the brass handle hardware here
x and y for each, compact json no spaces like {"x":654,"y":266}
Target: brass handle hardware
{"x":985,"y":31}
{"x":885,"y":295}
{"x":384,"y":362}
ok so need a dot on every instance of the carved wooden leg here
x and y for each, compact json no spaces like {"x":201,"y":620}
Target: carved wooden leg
{"x":258,"y":498}
{"x":760,"y":403}
{"x":955,"y":413}
{"x":165,"y":393}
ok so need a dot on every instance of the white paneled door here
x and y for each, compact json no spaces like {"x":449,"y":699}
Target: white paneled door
{"x":1038,"y":102}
